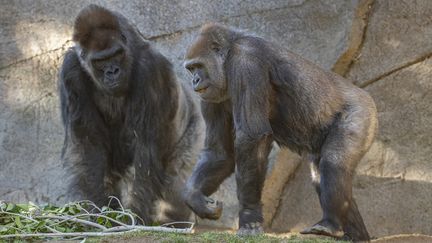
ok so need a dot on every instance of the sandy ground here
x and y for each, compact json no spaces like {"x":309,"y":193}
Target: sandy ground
{"x":413,"y":238}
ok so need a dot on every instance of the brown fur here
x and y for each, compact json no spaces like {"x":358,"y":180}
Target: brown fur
{"x":94,"y":27}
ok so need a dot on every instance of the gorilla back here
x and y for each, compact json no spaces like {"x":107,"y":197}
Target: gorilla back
{"x":130,"y":127}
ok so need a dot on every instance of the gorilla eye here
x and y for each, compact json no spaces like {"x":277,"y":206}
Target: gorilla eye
{"x":191,"y":67}
{"x":82,"y":54}
{"x":123,"y":37}
{"x":98,"y":64}
{"x":215,"y":47}
{"x":190,"y":70}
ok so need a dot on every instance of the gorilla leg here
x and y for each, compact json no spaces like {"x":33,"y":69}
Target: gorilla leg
{"x":334,"y":192}
{"x":118,"y":183}
{"x":173,"y":208}
{"x":326,"y":226}
{"x":345,"y":145}
{"x":208,"y":174}
{"x":354,"y":228}
{"x":340,"y":213}
{"x":140,"y":199}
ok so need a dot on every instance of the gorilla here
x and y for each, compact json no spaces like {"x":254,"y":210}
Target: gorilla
{"x":131,"y":129}
{"x":254,"y":92}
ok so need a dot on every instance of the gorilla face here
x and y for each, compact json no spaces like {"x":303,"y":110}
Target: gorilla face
{"x":109,"y":67}
{"x":205,"y":61}
{"x":104,"y":48}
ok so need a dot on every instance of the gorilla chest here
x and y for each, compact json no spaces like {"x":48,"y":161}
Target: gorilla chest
{"x":111,"y":109}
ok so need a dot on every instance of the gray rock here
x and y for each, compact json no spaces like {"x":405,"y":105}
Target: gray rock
{"x":47,"y":24}
{"x":398,"y":33}
{"x":404,"y":144}
{"x":31,"y":135}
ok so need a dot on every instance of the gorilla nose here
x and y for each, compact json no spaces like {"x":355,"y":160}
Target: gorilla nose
{"x":196,"y":81}
{"x":199,"y":86}
{"x":112,"y":72}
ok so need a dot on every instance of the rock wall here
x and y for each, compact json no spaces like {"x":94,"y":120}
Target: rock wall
{"x":380,"y":45}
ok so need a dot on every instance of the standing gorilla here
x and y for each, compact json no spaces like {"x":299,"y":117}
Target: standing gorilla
{"x":254,"y":92}
{"x":130,"y":127}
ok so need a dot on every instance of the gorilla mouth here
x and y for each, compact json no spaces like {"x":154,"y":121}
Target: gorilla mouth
{"x":115,"y":88}
{"x":113,"y":85}
{"x":202,"y":90}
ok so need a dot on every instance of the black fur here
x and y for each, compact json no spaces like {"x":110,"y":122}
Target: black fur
{"x":253,"y":93}
{"x":134,"y":144}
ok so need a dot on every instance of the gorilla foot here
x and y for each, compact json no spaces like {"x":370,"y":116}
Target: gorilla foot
{"x":205,"y":207}
{"x":250,"y":229}
{"x":324,"y":228}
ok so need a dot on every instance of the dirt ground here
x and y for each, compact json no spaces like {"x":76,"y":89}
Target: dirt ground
{"x":209,"y":235}
{"x":230,"y":237}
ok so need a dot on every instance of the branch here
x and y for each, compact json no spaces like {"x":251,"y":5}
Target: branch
{"x":73,"y":219}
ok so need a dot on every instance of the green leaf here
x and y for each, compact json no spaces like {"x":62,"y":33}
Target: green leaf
{"x":72,"y":210}
{"x":18,"y":222}
{"x":100,"y":220}
{"x":10,"y":207}
{"x":63,"y":209}
{"x":22,"y":206}
{"x":3,"y":229}
{"x":108,"y":224}
{"x":61,"y":229}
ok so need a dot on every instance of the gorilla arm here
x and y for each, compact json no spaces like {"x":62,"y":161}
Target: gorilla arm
{"x":249,"y":90}
{"x":86,"y":153}
{"x":216,"y":162}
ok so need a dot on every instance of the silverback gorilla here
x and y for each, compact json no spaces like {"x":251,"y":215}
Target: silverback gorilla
{"x":253,"y":93}
{"x":130,"y":127}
